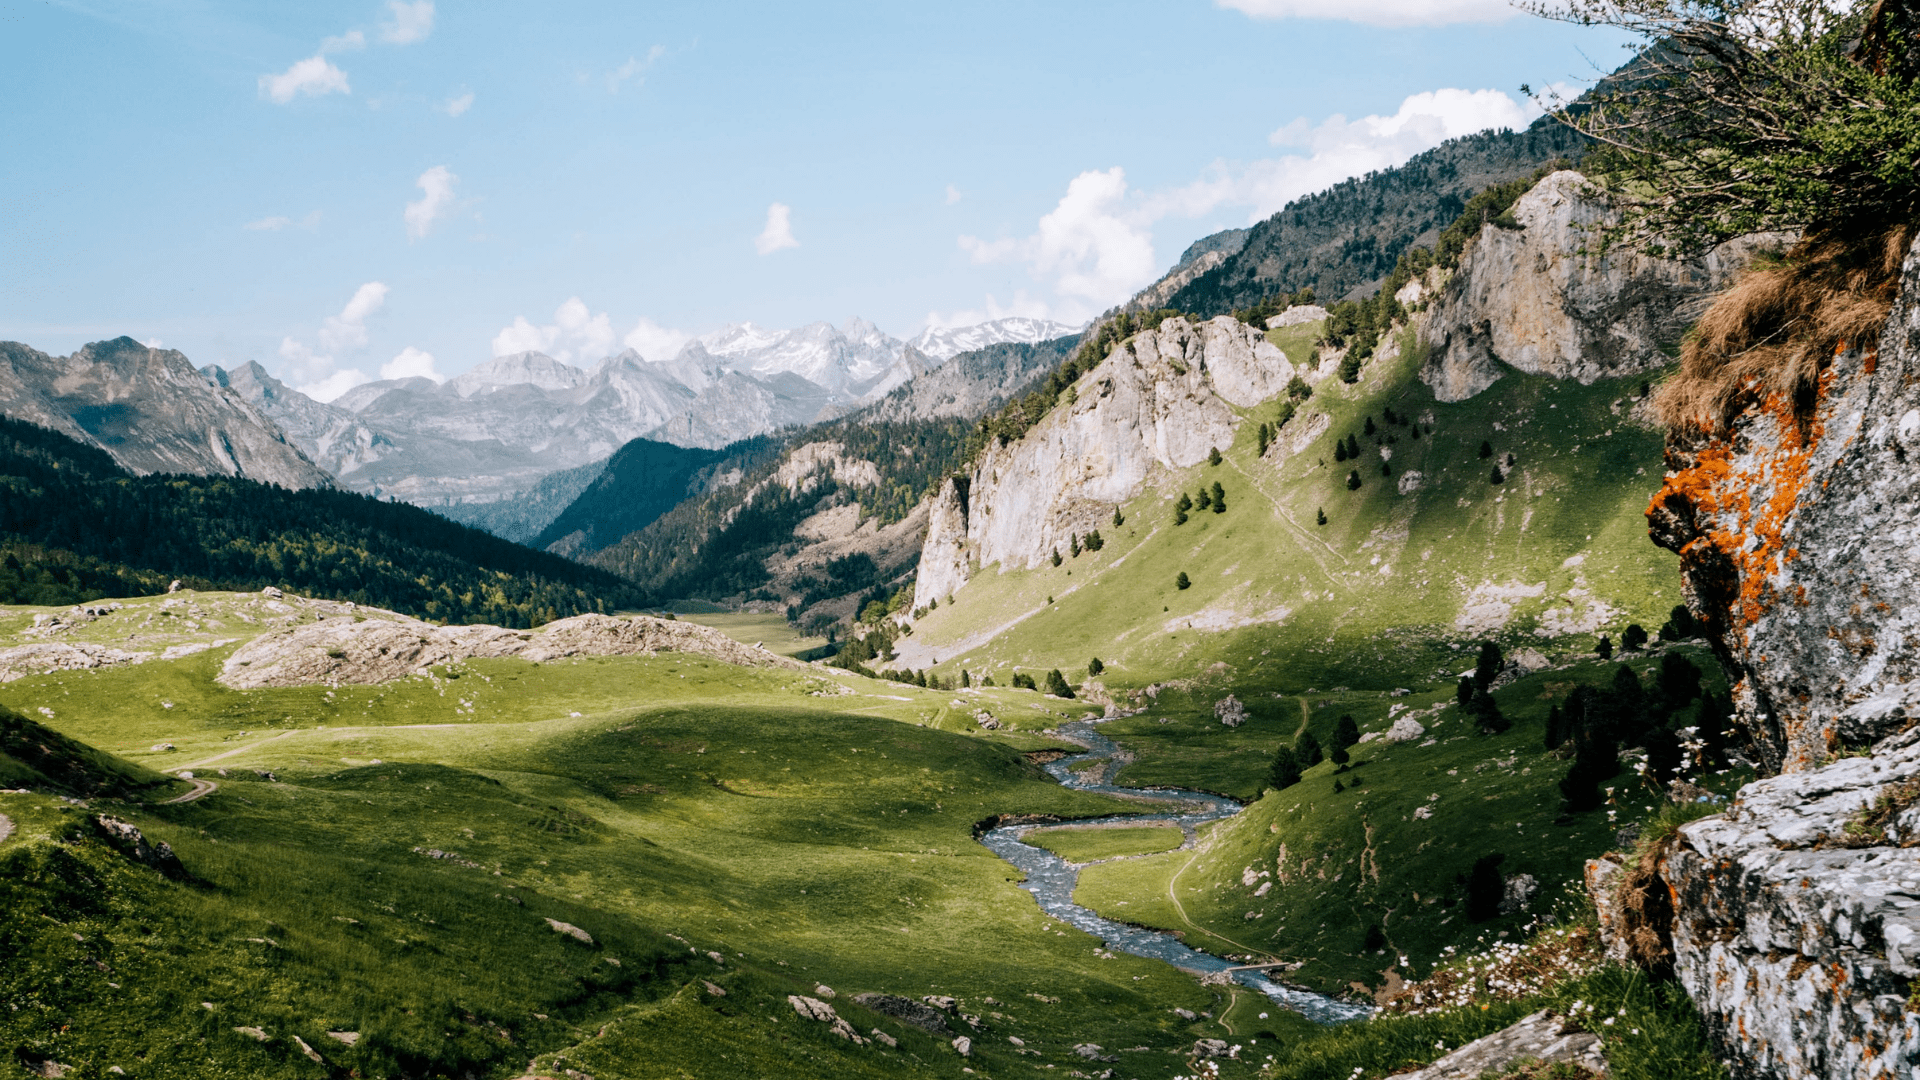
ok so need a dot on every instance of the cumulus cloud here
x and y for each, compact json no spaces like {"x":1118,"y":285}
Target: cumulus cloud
{"x":333,"y":385}
{"x":458,"y":105}
{"x":348,"y":330}
{"x":315,"y":77}
{"x":154,"y":343}
{"x":411,"y":363}
{"x":576,"y":335}
{"x":1380,"y":12}
{"x":407,"y":22}
{"x":348,"y":42}
{"x":1093,"y":247}
{"x":1338,"y":148}
{"x":953,"y":195}
{"x":779,"y":231}
{"x":655,"y":342}
{"x":436,"y":200}
{"x":633,"y":69}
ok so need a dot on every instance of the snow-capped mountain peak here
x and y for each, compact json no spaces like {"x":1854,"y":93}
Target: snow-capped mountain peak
{"x":944,"y":343}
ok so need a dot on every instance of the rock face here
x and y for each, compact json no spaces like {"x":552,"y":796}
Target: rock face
{"x":1541,"y":1037}
{"x":1161,"y":400}
{"x":1797,"y":913}
{"x":151,"y":410}
{"x":357,"y":649}
{"x":1527,"y":296}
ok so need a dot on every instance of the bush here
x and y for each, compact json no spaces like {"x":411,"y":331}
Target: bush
{"x":1213,"y":455}
{"x":1604,"y":648}
{"x":1095,"y":667}
{"x":1057,"y":684}
{"x":1353,"y":480}
{"x":1181,"y":582}
{"x":1634,"y":637}
{"x":1680,"y":625}
{"x":1320,"y":516}
{"x":1022,"y":681}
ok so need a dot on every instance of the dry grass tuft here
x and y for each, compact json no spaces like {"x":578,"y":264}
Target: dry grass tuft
{"x":1777,"y":328}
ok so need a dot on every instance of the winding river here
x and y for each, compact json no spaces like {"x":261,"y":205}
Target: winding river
{"x":1051,"y":879}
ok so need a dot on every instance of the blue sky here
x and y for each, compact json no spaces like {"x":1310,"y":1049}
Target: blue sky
{"x":342,"y":189}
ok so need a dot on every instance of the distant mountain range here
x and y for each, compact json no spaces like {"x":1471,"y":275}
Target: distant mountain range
{"x":497,"y":430}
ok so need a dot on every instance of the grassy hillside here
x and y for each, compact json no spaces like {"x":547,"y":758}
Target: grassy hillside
{"x":79,"y":527}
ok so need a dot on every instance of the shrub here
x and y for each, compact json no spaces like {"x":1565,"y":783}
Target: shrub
{"x":1182,"y":582}
{"x":1057,"y":684}
{"x":1634,"y":637}
{"x":1320,"y":516}
{"x":1680,"y":625}
{"x":1604,"y":648}
{"x":1213,"y":455}
{"x":1095,"y":667}
{"x":1056,"y":556}
{"x":1023,"y":681}
{"x":1353,"y":480}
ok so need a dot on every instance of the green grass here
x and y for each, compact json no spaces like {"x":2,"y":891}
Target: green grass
{"x":1084,"y":845}
{"x":748,"y":628}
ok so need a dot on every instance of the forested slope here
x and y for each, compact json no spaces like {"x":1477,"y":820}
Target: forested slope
{"x":77,"y":526}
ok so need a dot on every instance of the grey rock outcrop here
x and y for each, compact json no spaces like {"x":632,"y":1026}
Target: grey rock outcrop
{"x":1535,"y":298}
{"x":151,"y":410}
{"x":1541,"y":1037}
{"x":127,"y":839}
{"x":1161,"y":400}
{"x":387,"y":646}
{"x":1796,"y":922}
{"x":906,"y":1010}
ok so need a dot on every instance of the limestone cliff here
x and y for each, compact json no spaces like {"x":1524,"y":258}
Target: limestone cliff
{"x":1162,"y":399}
{"x":1529,"y":294}
{"x":151,"y":410}
{"x":1797,"y":913}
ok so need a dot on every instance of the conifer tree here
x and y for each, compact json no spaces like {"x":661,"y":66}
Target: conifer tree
{"x":1057,"y":684}
{"x":1213,"y":455}
{"x":1353,"y":480}
{"x":1056,"y":556}
{"x":1463,"y":693}
{"x":1345,"y":731}
{"x":1604,"y":649}
{"x":1556,"y":727}
{"x":1498,"y":477}
{"x":1118,"y":520}
{"x":1320,"y":516}
{"x":965,"y":679}
{"x":1181,"y":582}
{"x":1680,"y":625}
{"x":1386,"y":469}
{"x":1487,"y":666}
{"x":1073,"y":544}
{"x":1486,"y":450}
{"x":1340,"y":756}
{"x":1206,"y":501}
{"x":1353,"y":446}
{"x":1339,"y":450}
{"x":1307,"y":748}
{"x":1634,"y":637}
{"x":1095,"y":667}
{"x":1219,"y":498}
{"x":1413,"y":432}
{"x":1485,"y":887}
{"x":1285,"y":770}
{"x":1369,"y":428}
{"x":1338,"y":787}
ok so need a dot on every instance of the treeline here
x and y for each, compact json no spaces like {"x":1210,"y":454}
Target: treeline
{"x":79,"y":527}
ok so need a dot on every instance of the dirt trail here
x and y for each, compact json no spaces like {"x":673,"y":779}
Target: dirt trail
{"x":6,"y":828}
{"x":201,"y":789}
{"x":236,"y":750}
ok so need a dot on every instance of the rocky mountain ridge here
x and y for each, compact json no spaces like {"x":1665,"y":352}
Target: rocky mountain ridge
{"x":149,"y":409}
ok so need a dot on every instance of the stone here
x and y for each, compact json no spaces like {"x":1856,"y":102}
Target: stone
{"x":312,"y":1054}
{"x":906,"y":1010}
{"x":824,"y":991}
{"x":1541,"y":1037}
{"x":884,"y":1038}
{"x":128,"y":840}
{"x":1185,"y":1014}
{"x":253,"y":1033}
{"x":1090,"y":1051}
{"x":712,"y":989}
{"x":1230,"y":711}
{"x":1520,"y":890}
{"x":571,"y":931}
{"x":814,"y":1009}
{"x":1210,"y":1048}
{"x":963,"y":1045}
{"x":1405,"y":729}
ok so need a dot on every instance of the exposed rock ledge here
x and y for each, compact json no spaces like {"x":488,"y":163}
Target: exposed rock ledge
{"x":390,"y":647}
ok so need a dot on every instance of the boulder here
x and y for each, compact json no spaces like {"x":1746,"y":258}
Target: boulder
{"x":571,"y":931}
{"x":963,"y":1045}
{"x":128,"y":840}
{"x":1405,"y":729}
{"x":1540,"y":1037}
{"x":1230,"y":711}
{"x":906,"y":1010}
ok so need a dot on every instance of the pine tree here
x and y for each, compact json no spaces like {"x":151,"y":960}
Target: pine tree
{"x":1353,"y":480}
{"x":965,"y":679}
{"x":1263,"y":438}
{"x":1345,"y":731}
{"x":1353,"y":446}
{"x":1485,"y":887}
{"x":1181,"y":582}
{"x":1206,"y":501}
{"x":1057,"y":684}
{"x":1073,"y":544}
{"x":1338,"y":787}
{"x":1463,"y":693}
{"x":1386,"y":469}
{"x":1369,"y":428}
{"x":1056,"y":556}
{"x":1633,"y":638}
{"x":1486,"y":450}
{"x":1487,"y":666}
{"x":1219,"y":498}
{"x":1213,"y":455}
{"x":1320,"y":516}
{"x":1498,"y":477}
{"x":1556,"y":727}
{"x":1307,"y":748}
{"x":1340,"y":756}
{"x":1118,"y":520}
{"x":1285,"y":771}
{"x":1339,"y":450}
{"x":1413,"y":432}
{"x":1680,"y":625}
{"x":1095,"y":667}
{"x":1604,"y":649}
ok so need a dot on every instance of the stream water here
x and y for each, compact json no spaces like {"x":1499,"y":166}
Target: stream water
{"x":1051,"y":879}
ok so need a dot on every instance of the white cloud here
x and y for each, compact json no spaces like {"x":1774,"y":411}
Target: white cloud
{"x":779,"y":231}
{"x":655,"y":342}
{"x":348,"y":42}
{"x":154,"y":343}
{"x":335,"y":384}
{"x":1337,"y":148}
{"x":315,"y":76}
{"x":458,"y":105}
{"x":410,"y":364}
{"x":270,"y":224}
{"x":437,"y":185}
{"x":411,"y":22}
{"x":953,"y":194}
{"x":633,"y":68}
{"x":348,"y":330}
{"x":576,"y":335}
{"x":1093,"y":247}
{"x":1380,"y":12}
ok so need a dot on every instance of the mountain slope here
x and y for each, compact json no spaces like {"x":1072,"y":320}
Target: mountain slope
{"x":1342,"y":241}
{"x":521,"y":516}
{"x":643,"y":480}
{"x":150,"y":410}
{"x":237,"y":533}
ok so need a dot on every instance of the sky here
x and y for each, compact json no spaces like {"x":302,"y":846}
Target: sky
{"x":379,"y":188}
